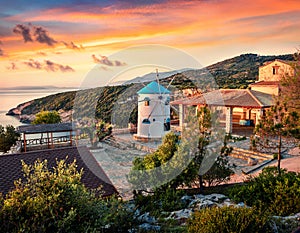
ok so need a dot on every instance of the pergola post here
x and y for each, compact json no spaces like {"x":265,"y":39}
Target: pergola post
{"x":52,"y":145}
{"x":259,"y":114}
{"x":181,"y":115}
{"x":71,"y":142}
{"x":229,"y":111}
{"x":24,"y":142}
{"x":48,"y":140}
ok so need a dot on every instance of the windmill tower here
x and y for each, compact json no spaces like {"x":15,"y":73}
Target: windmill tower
{"x":153,"y":112}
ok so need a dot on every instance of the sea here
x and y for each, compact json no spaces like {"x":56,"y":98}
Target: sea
{"x":12,"y":98}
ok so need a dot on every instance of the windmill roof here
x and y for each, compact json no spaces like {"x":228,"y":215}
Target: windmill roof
{"x":154,"y":88}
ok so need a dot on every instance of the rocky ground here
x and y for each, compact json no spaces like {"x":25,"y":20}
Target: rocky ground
{"x":117,"y":162}
{"x":195,"y":203}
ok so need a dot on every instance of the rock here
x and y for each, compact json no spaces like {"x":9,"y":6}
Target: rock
{"x":149,"y":227}
{"x":227,"y":203}
{"x":252,"y":161}
{"x":181,"y":214}
{"x":199,"y":196}
{"x":186,"y":199}
{"x":205,"y":204}
{"x":215,"y":197}
{"x":146,"y":218}
{"x":137,"y":213}
{"x":241,"y":204}
{"x":18,"y":109}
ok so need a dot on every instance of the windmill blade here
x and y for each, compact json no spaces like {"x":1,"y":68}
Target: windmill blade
{"x":157,"y":79}
{"x":152,"y":110}
{"x":170,"y":83}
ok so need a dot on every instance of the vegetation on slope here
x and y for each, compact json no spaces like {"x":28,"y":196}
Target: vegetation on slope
{"x":236,"y":72}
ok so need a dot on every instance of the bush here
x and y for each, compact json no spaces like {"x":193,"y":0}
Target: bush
{"x":279,"y":194}
{"x":8,"y":137}
{"x":228,"y":219}
{"x":161,"y":201}
{"x":56,"y":201}
{"x":46,"y":117}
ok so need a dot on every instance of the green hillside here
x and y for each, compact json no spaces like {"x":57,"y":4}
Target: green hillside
{"x":237,"y":72}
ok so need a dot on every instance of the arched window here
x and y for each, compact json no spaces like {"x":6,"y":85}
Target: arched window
{"x":167,"y":101}
{"x":146,"y":121}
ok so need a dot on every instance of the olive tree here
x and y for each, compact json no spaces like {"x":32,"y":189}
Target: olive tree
{"x":46,"y":117}
{"x":8,"y":137}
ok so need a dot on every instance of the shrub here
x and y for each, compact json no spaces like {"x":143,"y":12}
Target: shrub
{"x":161,"y":201}
{"x":279,"y":194}
{"x":46,"y":117}
{"x":56,"y":201}
{"x":228,"y":219}
{"x":8,"y":137}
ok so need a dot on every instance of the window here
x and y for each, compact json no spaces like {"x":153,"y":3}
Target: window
{"x":167,"y":124}
{"x":167,"y":101}
{"x":146,"y":121}
{"x":147,"y":101}
{"x":275,"y":69}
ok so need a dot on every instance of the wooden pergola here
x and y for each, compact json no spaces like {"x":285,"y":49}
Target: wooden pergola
{"x":229,"y":99}
{"x":49,"y":141}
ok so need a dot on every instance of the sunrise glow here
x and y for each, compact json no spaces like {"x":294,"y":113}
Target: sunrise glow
{"x":59,"y":43}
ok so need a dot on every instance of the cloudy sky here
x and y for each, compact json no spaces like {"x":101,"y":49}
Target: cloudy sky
{"x":60,"y":42}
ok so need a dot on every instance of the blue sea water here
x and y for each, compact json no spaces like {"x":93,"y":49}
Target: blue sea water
{"x":12,"y":98}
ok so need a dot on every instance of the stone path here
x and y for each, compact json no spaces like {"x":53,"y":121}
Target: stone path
{"x":117,"y":164}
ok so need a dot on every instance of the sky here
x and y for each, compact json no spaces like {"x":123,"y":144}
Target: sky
{"x":64,"y":43}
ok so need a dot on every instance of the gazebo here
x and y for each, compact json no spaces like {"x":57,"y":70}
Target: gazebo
{"x":57,"y":135}
{"x":249,"y":105}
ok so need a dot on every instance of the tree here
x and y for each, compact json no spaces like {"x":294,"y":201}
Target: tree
{"x":176,"y":163}
{"x":51,"y":201}
{"x":55,"y":200}
{"x":8,"y":137}
{"x":220,"y":170}
{"x":46,"y":117}
{"x":289,"y":92}
{"x":103,"y":130}
{"x":96,"y":130}
{"x":282,"y":120}
{"x":276,"y":124}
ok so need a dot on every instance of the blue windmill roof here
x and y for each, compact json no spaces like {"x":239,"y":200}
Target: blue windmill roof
{"x":154,"y":88}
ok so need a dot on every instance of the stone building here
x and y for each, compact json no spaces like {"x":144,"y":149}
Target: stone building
{"x":242,"y":107}
{"x":270,"y":75}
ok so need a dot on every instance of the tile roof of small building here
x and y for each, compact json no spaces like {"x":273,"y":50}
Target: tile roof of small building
{"x":154,"y":88}
{"x":93,"y":175}
{"x":44,"y":128}
{"x":277,"y":60}
{"x":230,"y":98}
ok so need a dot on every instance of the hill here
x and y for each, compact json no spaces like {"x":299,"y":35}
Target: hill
{"x":236,"y":72}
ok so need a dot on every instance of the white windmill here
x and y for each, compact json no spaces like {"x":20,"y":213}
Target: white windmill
{"x":153,"y":111}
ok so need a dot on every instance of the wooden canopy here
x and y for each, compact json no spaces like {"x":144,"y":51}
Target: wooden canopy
{"x":49,"y":141}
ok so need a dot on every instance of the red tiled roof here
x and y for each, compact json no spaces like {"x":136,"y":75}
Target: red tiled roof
{"x":93,"y":175}
{"x":230,"y":98}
